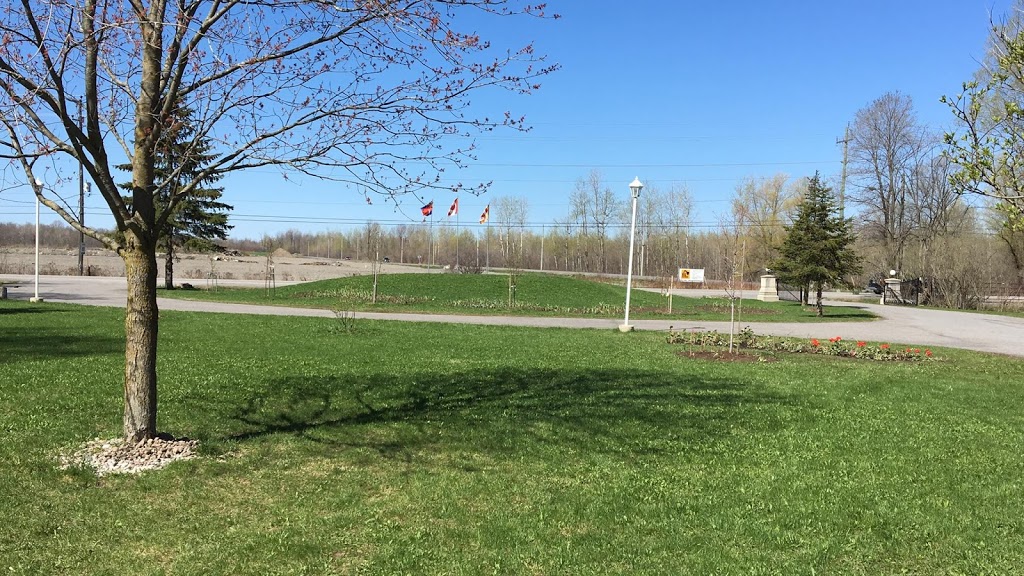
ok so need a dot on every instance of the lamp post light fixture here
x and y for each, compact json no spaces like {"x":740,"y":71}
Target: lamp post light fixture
{"x":634,"y":189}
{"x":38,"y":190}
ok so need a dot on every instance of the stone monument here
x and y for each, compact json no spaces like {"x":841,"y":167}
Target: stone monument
{"x":769,"y":291}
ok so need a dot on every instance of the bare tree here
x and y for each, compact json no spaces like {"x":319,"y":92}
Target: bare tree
{"x":593,"y":206}
{"x":510,"y":214}
{"x":936,"y":208}
{"x":935,"y":211}
{"x":887,"y":144}
{"x":1013,"y":241}
{"x":358,"y":92}
{"x":677,"y":207}
{"x":579,"y":219}
{"x":401,"y":235}
{"x":565,"y":240}
{"x":762,"y":208}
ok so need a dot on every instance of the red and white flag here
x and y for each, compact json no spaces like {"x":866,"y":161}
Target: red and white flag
{"x":486,"y":215}
{"x":454,"y":209}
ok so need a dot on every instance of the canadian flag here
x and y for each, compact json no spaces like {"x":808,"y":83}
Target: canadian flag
{"x":486,"y":215}
{"x":454,"y":209}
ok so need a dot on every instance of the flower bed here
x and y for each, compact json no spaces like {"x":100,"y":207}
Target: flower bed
{"x":835,"y":346}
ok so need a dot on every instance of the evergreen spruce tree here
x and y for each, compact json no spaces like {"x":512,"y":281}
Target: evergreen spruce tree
{"x":818,"y":246}
{"x":200,"y":219}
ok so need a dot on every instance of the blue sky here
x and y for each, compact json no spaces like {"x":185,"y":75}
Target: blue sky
{"x":696,"y":93}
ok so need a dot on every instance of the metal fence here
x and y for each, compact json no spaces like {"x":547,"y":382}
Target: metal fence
{"x":906,"y":293}
{"x":790,"y":293}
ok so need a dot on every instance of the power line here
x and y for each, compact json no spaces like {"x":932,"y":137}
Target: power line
{"x":531,"y":225}
{"x":603,"y":165}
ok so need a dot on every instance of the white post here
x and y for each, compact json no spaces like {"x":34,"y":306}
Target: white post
{"x":634,"y":189}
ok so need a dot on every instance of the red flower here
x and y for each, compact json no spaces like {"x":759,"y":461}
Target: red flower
{"x":834,"y":339}
{"x":883,"y":346}
{"x":861,"y":343}
{"x":928,"y":353}
{"x":908,"y":350}
{"x":917,"y":350}
{"x":815,"y":343}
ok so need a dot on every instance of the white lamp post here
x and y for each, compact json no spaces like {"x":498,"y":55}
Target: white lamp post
{"x":634,"y":189}
{"x":38,"y":190}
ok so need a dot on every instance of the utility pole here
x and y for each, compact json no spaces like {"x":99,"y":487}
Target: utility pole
{"x":541,"y":247}
{"x":87,"y":186}
{"x":81,"y":204}
{"x":842,"y":179}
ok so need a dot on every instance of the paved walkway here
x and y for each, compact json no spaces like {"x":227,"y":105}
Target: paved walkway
{"x":913,"y":326}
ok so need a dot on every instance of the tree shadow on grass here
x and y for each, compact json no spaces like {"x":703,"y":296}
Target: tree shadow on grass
{"x":503,"y":410}
{"x":20,"y":344}
{"x":19,"y":309}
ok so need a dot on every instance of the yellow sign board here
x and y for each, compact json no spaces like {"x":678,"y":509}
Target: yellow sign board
{"x":691,"y":275}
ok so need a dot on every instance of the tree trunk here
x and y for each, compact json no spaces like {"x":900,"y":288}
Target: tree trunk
{"x":140,"y":325}
{"x":817,"y":305}
{"x":169,"y":263}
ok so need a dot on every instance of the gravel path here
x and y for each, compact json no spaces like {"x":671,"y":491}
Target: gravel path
{"x":913,"y":326}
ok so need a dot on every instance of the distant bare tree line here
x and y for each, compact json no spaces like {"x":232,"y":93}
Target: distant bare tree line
{"x":50,"y":236}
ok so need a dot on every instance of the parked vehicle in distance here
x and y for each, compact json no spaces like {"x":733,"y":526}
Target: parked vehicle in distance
{"x":874,"y":287}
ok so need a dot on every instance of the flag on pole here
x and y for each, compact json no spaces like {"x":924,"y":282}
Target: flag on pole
{"x":428,"y":209}
{"x":487,"y":214}
{"x":455,"y":208}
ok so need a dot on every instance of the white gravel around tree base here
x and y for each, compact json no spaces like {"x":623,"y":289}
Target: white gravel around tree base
{"x":114,"y":456}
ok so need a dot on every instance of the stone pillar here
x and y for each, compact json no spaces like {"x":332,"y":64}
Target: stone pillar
{"x":892,"y":284}
{"x":769,"y":291}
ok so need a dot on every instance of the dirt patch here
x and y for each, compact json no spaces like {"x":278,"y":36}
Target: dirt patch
{"x":725,"y":356}
{"x":195,"y":267}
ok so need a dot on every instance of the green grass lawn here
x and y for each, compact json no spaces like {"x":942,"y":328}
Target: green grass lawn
{"x":487,"y":294}
{"x":403,"y":448}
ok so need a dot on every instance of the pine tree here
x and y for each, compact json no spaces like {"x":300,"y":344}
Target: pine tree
{"x":818,"y":246}
{"x":200,"y":219}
